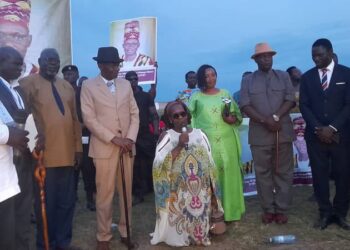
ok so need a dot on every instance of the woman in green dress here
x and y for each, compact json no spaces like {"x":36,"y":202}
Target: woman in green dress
{"x":218,"y":116}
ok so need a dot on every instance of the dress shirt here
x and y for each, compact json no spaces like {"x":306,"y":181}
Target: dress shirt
{"x":330,"y":69}
{"x":111,"y":88}
{"x":8,"y":176}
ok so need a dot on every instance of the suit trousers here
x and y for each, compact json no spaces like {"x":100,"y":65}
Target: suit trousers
{"x":274,"y":187}
{"x":7,"y":224}
{"x":323,"y":157}
{"x":88,"y":171}
{"x":60,"y":201}
{"x":23,"y":200}
{"x":108,"y":178}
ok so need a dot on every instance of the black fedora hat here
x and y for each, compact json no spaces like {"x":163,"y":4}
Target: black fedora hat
{"x":107,"y":55}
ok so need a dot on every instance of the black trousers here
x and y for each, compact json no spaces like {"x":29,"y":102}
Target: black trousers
{"x":323,"y":157}
{"x":88,"y":170}
{"x":142,"y":173}
{"x":24,"y":200}
{"x":15,"y":228}
{"x":60,"y":201}
{"x":7,"y":225}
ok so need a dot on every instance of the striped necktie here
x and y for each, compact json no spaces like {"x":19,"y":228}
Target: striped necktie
{"x":324,"y":80}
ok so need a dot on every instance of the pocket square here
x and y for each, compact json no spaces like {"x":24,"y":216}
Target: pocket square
{"x":340,"y":83}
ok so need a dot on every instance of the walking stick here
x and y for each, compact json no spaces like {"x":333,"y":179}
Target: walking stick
{"x":277,"y":151}
{"x":40,"y":175}
{"x":125,"y":200}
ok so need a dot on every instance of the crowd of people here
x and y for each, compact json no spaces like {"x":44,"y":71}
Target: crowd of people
{"x":109,"y":129}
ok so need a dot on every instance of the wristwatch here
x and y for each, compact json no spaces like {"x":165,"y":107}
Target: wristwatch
{"x":276,"y":118}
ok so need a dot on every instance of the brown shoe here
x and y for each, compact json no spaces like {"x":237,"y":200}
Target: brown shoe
{"x":130,"y":245}
{"x":281,"y":219}
{"x":102,"y":245}
{"x":267,"y":218}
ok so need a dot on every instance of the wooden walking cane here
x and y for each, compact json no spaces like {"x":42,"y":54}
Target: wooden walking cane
{"x":121,"y":163}
{"x":277,"y":151}
{"x":40,"y":175}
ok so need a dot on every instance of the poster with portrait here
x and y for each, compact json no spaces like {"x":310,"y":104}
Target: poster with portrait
{"x":302,"y":169}
{"x":30,"y":26}
{"x":136,"y":41}
{"x":33,"y":25}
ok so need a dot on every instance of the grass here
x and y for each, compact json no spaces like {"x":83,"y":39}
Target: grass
{"x":249,"y":233}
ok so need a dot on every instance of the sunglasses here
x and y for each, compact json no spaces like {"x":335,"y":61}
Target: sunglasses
{"x":179,"y":115}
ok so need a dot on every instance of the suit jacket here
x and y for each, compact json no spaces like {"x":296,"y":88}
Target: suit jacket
{"x":7,"y":99}
{"x":330,"y":107}
{"x":107,"y":115}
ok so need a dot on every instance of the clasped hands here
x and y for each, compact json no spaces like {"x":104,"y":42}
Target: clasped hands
{"x":325,"y":134}
{"x":124,"y":143}
{"x":272,"y":125}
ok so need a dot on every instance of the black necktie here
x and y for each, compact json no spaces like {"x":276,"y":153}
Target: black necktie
{"x":57,"y":97}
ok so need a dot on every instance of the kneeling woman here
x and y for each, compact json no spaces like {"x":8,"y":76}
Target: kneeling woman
{"x":184,"y":178}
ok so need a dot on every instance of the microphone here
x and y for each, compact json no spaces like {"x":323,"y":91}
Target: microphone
{"x":184,"y":130}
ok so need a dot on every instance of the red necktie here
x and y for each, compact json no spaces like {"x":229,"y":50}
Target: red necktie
{"x":324,"y":80}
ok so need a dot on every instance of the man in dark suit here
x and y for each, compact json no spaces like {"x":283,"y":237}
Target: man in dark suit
{"x":15,"y":229}
{"x":325,"y":106}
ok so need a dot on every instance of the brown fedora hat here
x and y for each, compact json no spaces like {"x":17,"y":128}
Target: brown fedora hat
{"x":107,"y":55}
{"x":262,"y":48}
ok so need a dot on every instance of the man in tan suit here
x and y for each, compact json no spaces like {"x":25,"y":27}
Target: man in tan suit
{"x":52,"y":102}
{"x":111,"y":114}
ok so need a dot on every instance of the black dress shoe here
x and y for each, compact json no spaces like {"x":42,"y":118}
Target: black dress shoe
{"x":129,"y":245}
{"x":341,"y":222}
{"x":323,"y":222}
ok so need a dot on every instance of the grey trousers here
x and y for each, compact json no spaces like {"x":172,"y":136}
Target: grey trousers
{"x":274,"y":187}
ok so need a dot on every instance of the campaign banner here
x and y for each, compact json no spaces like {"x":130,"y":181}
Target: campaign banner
{"x":31,"y":26}
{"x":302,"y":169}
{"x":136,"y":41}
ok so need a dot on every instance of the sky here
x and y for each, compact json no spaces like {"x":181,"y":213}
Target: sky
{"x":220,"y":33}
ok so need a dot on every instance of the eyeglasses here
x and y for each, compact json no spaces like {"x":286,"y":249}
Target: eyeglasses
{"x":179,"y":115}
{"x":13,"y":37}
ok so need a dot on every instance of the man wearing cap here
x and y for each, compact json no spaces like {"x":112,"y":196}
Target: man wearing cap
{"x":71,"y":75}
{"x":131,"y":44}
{"x":266,"y":97}
{"x":145,"y":142}
{"x":14,"y":29}
{"x":325,"y":106}
{"x":110,"y":112}
{"x":52,"y":102}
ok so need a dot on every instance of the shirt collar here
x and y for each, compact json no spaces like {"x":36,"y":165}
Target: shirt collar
{"x":105,"y":80}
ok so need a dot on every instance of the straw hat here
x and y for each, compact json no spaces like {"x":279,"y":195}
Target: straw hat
{"x":262,"y":48}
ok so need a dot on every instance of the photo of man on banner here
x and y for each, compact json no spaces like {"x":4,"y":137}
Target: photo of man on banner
{"x":136,"y":39}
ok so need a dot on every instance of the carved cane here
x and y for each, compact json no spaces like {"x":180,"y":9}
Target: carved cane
{"x":40,"y":175}
{"x":277,"y":151}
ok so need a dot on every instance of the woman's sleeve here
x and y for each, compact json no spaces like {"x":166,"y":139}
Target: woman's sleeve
{"x":192,"y":107}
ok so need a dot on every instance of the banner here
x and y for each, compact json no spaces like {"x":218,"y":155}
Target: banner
{"x":136,"y":41}
{"x":31,"y":26}
{"x":302,"y":169}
